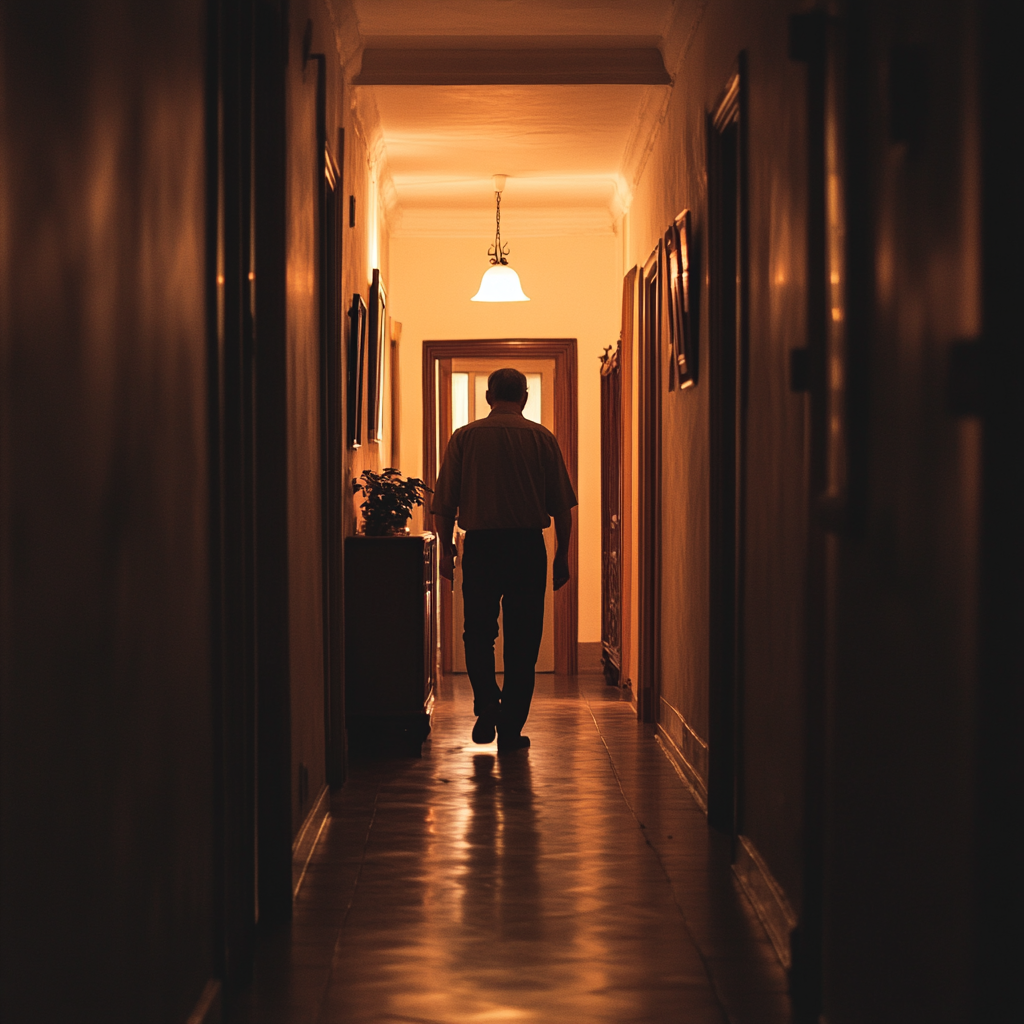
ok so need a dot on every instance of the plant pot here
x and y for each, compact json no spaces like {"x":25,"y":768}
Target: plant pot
{"x":387,"y":531}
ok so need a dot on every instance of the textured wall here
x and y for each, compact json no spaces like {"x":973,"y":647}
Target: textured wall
{"x":900,"y":583}
{"x":675,"y":179}
{"x":366,"y":247}
{"x":107,"y":908}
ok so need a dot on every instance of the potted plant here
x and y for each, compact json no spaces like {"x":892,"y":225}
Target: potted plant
{"x":389,"y":501}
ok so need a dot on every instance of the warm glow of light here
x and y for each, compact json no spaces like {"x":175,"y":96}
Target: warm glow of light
{"x":252,"y":275}
{"x":837,"y":314}
{"x":460,"y":400}
{"x":220,"y":279}
{"x":835,"y":277}
{"x":531,"y":410}
{"x":500,"y":284}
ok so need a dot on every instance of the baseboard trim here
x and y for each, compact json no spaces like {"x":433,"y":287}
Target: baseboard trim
{"x":767,"y":898}
{"x":691,"y":779}
{"x":309,"y":833}
{"x":208,"y":1009}
{"x":684,"y":736}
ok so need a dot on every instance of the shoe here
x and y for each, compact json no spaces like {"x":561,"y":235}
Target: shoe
{"x":486,"y":724}
{"x":509,"y":744}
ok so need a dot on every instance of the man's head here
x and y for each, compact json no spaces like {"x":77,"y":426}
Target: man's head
{"x":506,"y":385}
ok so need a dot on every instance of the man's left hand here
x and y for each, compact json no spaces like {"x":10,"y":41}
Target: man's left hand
{"x":447,"y":566}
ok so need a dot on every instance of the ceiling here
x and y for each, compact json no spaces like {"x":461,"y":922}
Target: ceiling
{"x":571,"y":150}
{"x":390,"y":19}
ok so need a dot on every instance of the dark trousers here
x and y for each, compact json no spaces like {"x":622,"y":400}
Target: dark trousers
{"x":506,"y":569}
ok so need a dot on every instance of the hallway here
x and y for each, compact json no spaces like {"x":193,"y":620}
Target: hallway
{"x":577,"y":881}
{"x":772,"y":249}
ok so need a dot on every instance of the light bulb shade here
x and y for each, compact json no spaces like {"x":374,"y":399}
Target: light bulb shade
{"x":500,"y":284}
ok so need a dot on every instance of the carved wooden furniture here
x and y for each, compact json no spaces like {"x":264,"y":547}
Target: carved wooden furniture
{"x":611,"y":519}
{"x":390,"y":640}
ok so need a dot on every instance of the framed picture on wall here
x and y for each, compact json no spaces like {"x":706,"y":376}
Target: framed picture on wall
{"x":375,"y":359}
{"x":356,"y":360}
{"x":681,"y":345}
{"x":672,"y":334}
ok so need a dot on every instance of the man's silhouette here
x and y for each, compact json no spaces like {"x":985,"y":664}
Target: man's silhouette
{"x":505,"y":479}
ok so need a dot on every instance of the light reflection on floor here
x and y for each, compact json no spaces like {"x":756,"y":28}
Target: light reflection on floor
{"x":574,"y":882}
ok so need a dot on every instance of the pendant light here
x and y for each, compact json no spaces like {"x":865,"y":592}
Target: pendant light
{"x":500,"y":283}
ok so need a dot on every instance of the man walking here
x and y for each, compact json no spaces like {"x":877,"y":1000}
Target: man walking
{"x":505,"y":479}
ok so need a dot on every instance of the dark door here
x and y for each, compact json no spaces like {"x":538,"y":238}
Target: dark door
{"x":727,"y":282}
{"x":648,"y":697}
{"x":232,"y":483}
{"x":611,"y":517}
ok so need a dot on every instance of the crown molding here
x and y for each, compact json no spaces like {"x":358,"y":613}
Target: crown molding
{"x":682,"y":29}
{"x":367,"y":126}
{"x":675,"y":47}
{"x":365,"y":117}
{"x":643,"y":135}
{"x":347,"y":40}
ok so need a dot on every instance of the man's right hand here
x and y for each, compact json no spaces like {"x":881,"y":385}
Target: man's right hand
{"x":559,"y":571}
{"x":445,"y":528}
{"x":560,"y":565}
{"x":447,"y":567}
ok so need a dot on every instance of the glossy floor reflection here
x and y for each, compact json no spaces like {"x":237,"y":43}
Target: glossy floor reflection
{"x":574,"y":882}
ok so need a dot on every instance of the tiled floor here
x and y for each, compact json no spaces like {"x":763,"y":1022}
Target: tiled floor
{"x":574,"y":882}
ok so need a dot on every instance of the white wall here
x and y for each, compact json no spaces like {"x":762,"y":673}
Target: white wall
{"x":575,"y":287}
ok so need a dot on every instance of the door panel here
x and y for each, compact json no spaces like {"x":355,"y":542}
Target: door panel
{"x":611,"y":518}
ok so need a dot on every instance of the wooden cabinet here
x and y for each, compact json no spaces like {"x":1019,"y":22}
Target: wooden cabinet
{"x":390,"y":640}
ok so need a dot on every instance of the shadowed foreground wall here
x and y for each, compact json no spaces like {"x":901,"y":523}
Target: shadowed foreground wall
{"x":106,"y":736}
{"x":905,"y":693}
{"x":878,"y":823}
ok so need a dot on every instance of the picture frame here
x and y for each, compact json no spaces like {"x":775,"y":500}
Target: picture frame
{"x":356,"y":362}
{"x":670,"y":246}
{"x":681,"y":343}
{"x":375,"y":359}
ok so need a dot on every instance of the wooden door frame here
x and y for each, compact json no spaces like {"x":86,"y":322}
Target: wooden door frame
{"x":563,"y":351}
{"x":648,"y":690}
{"x":626,"y":569}
{"x":332,"y":440}
{"x":728,"y":343}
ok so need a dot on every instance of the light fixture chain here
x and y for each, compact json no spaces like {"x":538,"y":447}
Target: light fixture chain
{"x":499,"y":251}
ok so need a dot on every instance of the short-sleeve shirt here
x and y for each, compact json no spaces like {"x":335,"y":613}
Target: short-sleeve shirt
{"x":503,"y":472}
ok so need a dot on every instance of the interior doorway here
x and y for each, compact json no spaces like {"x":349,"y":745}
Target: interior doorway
{"x":455,"y":380}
